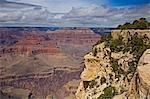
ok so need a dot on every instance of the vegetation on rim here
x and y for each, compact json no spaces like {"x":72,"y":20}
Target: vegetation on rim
{"x":122,"y":54}
{"x":141,"y":23}
{"x":135,"y":45}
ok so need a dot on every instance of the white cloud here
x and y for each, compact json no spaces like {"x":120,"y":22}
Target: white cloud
{"x":91,"y":11}
{"x":29,"y":14}
{"x":107,"y":16}
{"x":22,"y":12}
{"x":56,"y":6}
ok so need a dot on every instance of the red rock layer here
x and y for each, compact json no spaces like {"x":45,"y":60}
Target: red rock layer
{"x":31,"y":45}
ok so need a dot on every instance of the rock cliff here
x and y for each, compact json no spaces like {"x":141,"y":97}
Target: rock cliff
{"x":116,"y":68}
{"x":140,"y":86}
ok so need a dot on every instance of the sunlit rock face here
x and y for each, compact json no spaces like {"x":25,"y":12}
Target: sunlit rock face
{"x":116,"y":72}
{"x":140,"y":85}
{"x":46,"y":63}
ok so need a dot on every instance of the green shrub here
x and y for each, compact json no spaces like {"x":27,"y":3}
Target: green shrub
{"x":115,"y":65}
{"x":109,"y":93}
{"x":106,"y":38}
{"x":126,"y":49}
{"x":141,"y":23}
{"x":92,"y":84}
{"x":115,"y":45}
{"x":132,"y":67}
{"x":138,"y":46}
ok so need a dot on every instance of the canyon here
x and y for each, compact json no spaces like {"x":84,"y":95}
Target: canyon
{"x":37,"y":64}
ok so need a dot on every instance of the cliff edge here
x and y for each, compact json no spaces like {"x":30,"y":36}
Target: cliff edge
{"x":116,"y":68}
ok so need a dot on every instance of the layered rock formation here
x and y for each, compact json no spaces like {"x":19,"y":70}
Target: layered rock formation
{"x":31,"y":45}
{"x":45,"y":63}
{"x":77,"y":36}
{"x":114,"y":68}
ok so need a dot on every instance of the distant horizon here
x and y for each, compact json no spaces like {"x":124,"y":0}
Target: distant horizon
{"x":50,"y":27}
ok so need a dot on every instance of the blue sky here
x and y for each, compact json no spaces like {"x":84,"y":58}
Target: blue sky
{"x":78,"y":13}
{"x":127,"y":2}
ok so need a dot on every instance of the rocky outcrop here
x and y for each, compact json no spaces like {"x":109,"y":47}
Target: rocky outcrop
{"x":99,"y":74}
{"x":113,"y":69}
{"x":140,"y":85}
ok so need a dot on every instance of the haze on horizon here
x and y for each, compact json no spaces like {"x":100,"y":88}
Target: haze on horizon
{"x":73,"y":13}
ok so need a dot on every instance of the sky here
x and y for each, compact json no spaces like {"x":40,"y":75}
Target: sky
{"x":72,"y":13}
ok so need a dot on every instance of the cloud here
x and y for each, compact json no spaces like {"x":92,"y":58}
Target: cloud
{"x":107,"y":16}
{"x":56,"y":6}
{"x":91,"y":11}
{"x":20,"y":12}
{"x":12,"y":13}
